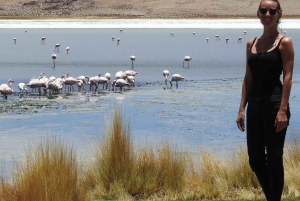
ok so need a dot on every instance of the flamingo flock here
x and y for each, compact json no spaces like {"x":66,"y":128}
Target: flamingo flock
{"x":52,"y":85}
{"x":122,"y":78}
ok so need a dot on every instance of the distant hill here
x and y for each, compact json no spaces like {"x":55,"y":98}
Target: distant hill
{"x":139,"y":8}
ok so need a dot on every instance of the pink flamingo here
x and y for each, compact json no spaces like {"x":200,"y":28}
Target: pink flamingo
{"x":120,"y":83}
{"x":107,"y":76}
{"x":131,"y":72}
{"x":120,"y":75}
{"x":83,"y":79}
{"x":93,"y":81}
{"x":6,"y":89}
{"x":70,"y":81}
{"x":56,"y":47}
{"x":55,"y":85}
{"x":103,"y":81}
{"x":54,"y":57}
{"x":176,"y":78}
{"x":187,"y":59}
{"x":43,"y":40}
{"x":166,"y":74}
{"x":22,"y":86}
{"x":130,"y":80}
{"x":132,"y":58}
{"x":37,"y":83}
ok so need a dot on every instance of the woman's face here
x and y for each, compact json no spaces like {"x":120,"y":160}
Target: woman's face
{"x":267,"y":14}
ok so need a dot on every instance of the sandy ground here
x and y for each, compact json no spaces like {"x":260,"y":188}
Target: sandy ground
{"x":139,"y":8}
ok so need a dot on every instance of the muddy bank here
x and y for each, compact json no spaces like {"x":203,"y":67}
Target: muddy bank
{"x":34,"y":103}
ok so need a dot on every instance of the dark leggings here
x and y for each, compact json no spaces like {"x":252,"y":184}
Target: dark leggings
{"x":265,"y":147}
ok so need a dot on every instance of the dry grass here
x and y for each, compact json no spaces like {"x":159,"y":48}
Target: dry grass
{"x":292,"y":167}
{"x":50,"y":172}
{"x":121,"y":171}
{"x":120,"y":168}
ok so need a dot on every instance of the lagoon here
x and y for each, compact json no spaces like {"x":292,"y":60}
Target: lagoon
{"x":201,"y":113}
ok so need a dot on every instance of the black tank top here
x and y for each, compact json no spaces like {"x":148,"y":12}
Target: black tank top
{"x":266,"y":69}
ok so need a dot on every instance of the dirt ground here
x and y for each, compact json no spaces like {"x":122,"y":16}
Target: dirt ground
{"x":139,"y":8}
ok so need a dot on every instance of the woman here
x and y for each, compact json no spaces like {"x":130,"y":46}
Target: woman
{"x":268,"y":113}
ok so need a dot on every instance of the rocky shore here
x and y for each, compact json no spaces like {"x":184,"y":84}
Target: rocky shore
{"x":138,"y":9}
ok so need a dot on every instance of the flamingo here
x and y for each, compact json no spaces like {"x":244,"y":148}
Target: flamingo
{"x":118,"y":41}
{"x":54,"y":57}
{"x":70,"y":81}
{"x":43,"y":40}
{"x":67,"y":49}
{"x":35,"y":83}
{"x":132,"y":58}
{"x":51,"y":78}
{"x":187,"y":59}
{"x":166,"y":74}
{"x":22,"y":86}
{"x":55,"y":85}
{"x":15,"y":40}
{"x":56,"y":47}
{"x":227,"y":40}
{"x":120,"y":75}
{"x":83,"y":79}
{"x":207,"y":39}
{"x":130,"y":72}
{"x":6,"y":89}
{"x":103,"y":81}
{"x":94,"y":81}
{"x":79,"y":84}
{"x":130,"y":80}
{"x":39,"y":83}
{"x":217,"y":37}
{"x":108,"y":77}
{"x":240,"y":39}
{"x":176,"y":78}
{"x":120,"y":83}
{"x":42,"y":75}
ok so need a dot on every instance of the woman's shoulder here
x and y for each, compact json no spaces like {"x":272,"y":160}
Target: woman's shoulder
{"x":251,"y":41}
{"x":286,"y":42}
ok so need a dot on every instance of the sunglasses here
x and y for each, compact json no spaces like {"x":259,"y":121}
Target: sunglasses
{"x":264,"y":11}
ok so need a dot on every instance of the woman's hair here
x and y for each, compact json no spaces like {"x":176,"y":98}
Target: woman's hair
{"x":278,"y":7}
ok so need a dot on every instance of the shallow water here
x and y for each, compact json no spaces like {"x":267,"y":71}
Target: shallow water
{"x":200,"y":113}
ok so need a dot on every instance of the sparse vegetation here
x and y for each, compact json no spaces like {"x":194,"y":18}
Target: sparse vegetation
{"x":120,"y":170}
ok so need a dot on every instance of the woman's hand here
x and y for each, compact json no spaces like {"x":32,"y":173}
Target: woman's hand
{"x":240,"y":120}
{"x":281,"y":121}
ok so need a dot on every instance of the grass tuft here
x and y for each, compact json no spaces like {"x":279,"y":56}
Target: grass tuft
{"x":119,"y":170}
{"x":50,"y":172}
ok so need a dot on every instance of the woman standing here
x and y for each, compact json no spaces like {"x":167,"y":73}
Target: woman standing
{"x":267,"y":99}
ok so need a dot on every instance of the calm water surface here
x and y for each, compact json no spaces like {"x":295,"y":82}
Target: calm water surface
{"x":200,"y":113}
